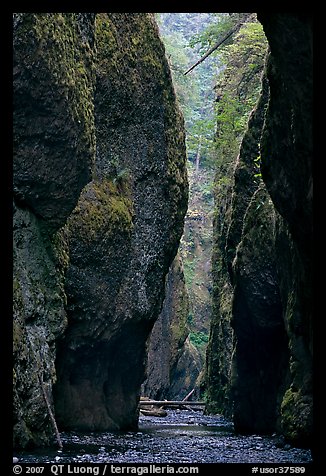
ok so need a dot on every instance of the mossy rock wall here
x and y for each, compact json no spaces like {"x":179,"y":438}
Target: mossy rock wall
{"x":261,"y":357}
{"x":230,"y":212}
{"x":100,"y":191}
{"x":54,"y":135}
{"x":263,"y":251}
{"x":173,"y":364}
{"x":39,"y":317}
{"x":286,"y":152}
{"x":54,"y":150}
{"x":125,"y":230}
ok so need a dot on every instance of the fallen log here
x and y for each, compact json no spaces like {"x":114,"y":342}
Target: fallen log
{"x":167,"y":403}
{"x":158,"y":412}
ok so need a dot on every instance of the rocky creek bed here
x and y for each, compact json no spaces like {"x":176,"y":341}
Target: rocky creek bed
{"x":181,"y":437}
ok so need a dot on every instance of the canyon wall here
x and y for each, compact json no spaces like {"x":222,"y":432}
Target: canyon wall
{"x":286,"y":154}
{"x":100,"y":187}
{"x":54,"y":152}
{"x":259,"y":360}
{"x":174,"y":364}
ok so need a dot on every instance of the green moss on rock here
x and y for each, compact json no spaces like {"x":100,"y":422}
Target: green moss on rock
{"x":297,"y":417}
{"x":54,"y":135}
{"x":38,"y":319}
{"x":69,"y":61}
{"x":101,"y":210}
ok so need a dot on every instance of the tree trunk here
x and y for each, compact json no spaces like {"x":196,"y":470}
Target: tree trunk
{"x":198,"y":154}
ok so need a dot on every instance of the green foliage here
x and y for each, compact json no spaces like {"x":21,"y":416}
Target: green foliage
{"x":244,"y":59}
{"x":194,"y":91}
{"x":176,"y":49}
{"x":215,"y":133}
{"x":189,"y":270}
{"x":208,"y":37}
{"x":237,"y":90}
{"x":200,"y":139}
{"x":257,"y":175}
{"x":198,"y":339}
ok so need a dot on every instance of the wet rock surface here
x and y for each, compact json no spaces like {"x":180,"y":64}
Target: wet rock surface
{"x":173,"y":363}
{"x":181,"y":437}
{"x":124,"y":232}
{"x":53,"y":154}
{"x":259,"y":358}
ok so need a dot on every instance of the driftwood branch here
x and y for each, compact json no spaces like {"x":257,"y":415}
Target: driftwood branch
{"x":39,"y":366}
{"x":188,"y":395}
{"x":54,"y":423}
{"x":219,"y":43}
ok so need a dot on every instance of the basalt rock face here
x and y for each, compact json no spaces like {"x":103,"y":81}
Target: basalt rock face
{"x":260,"y":355}
{"x":100,"y":193}
{"x":54,"y":148}
{"x":173,"y":364}
{"x":124,"y":233}
{"x":228,"y":232}
{"x":260,"y":361}
{"x":265,"y":380}
{"x":53,"y":112}
{"x":286,"y":151}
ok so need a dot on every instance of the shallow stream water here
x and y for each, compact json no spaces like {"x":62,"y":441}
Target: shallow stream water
{"x":181,"y":437}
